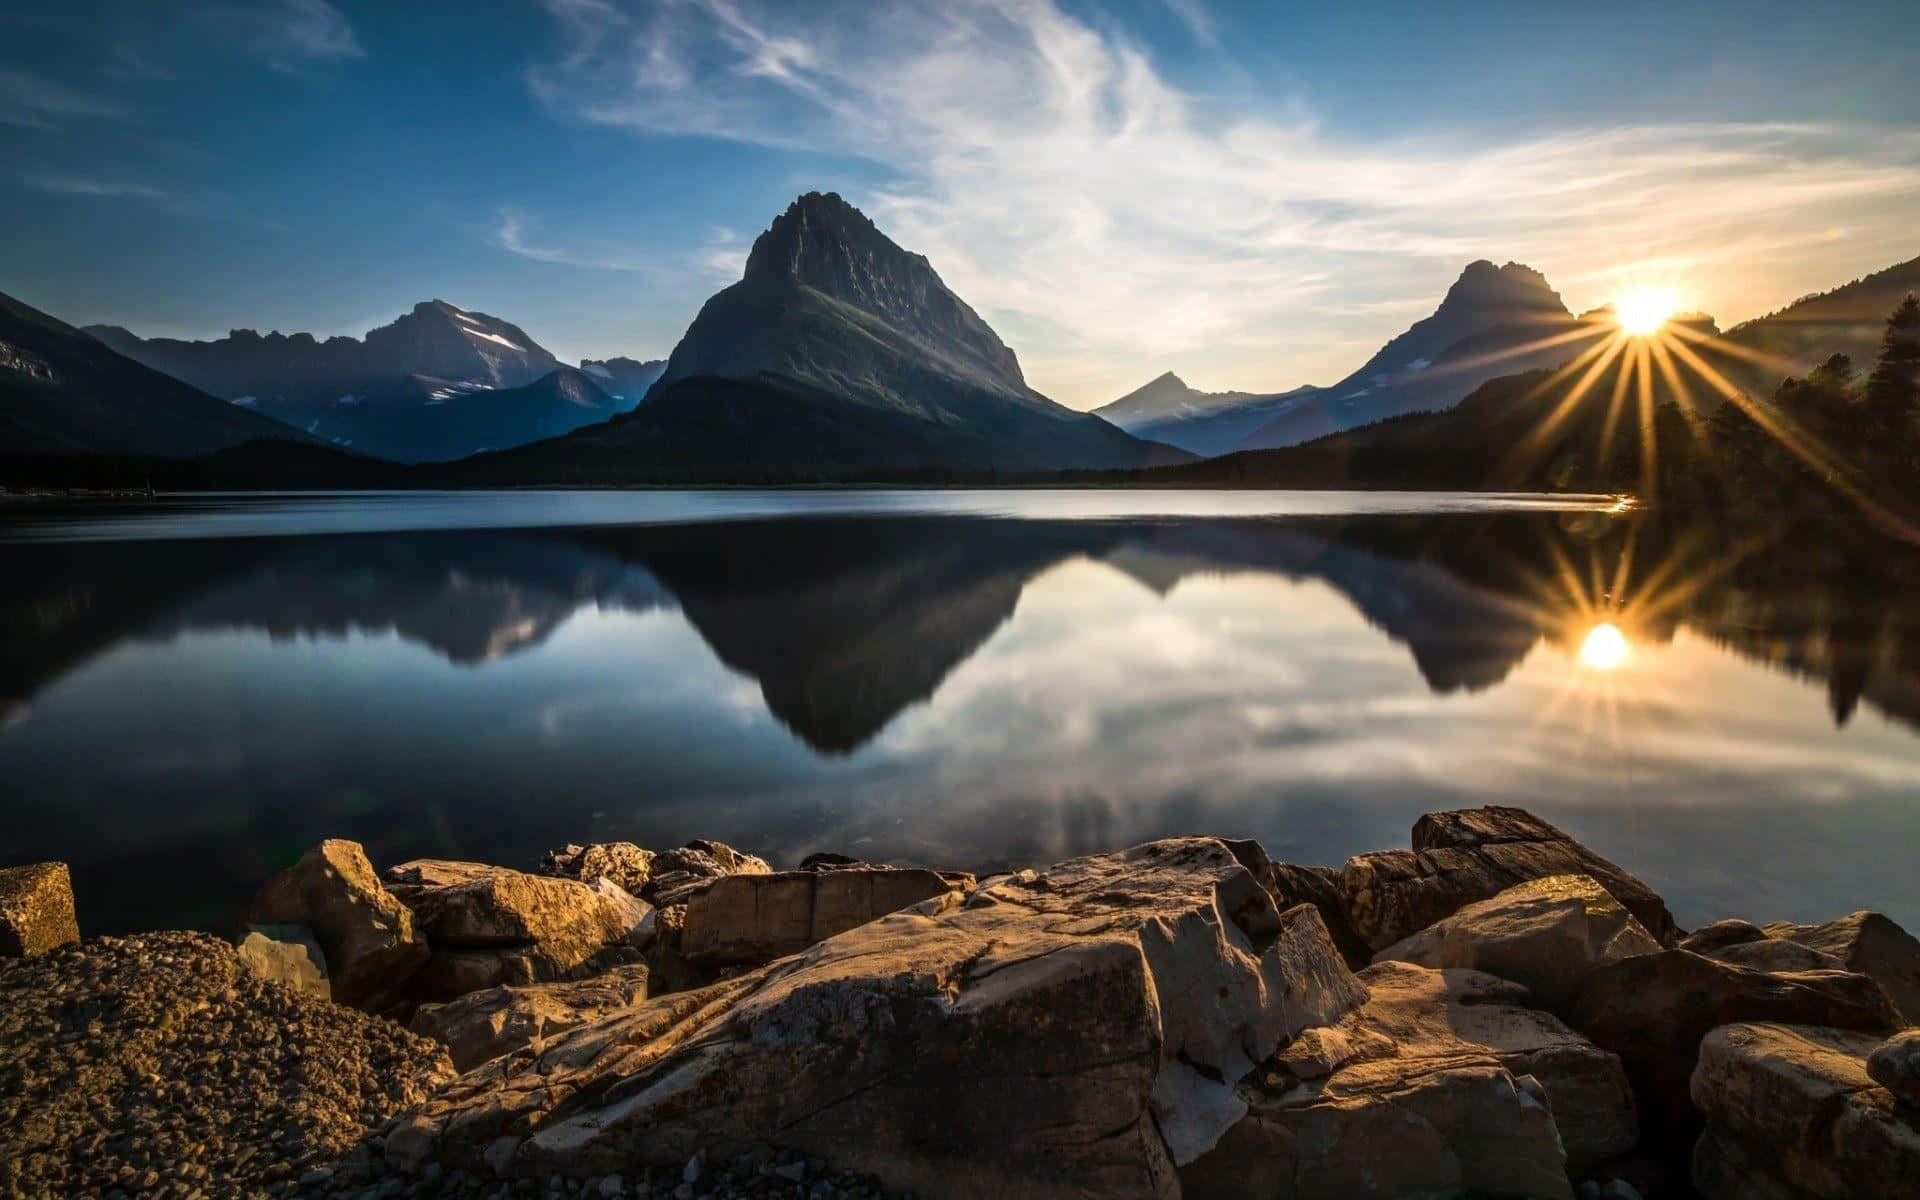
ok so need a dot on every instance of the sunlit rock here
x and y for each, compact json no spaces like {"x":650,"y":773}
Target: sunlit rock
{"x":36,"y":909}
{"x":369,"y":938}
{"x":1871,"y":944}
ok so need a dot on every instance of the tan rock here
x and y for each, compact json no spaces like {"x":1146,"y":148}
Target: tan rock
{"x":1545,"y":933}
{"x":757,"y":918}
{"x":371,"y":944}
{"x":1871,"y":944}
{"x":36,"y":909}
{"x":1791,"y":1111}
{"x":1289,"y":885}
{"x":287,"y":954}
{"x":1720,"y":934}
{"x":678,"y":874}
{"x":622,"y":862}
{"x":1380,"y":1129}
{"x":1776,"y":954}
{"x":1653,"y":1010}
{"x":492,"y":925}
{"x":1415,"y":1015}
{"x":1895,"y":1065}
{"x":483,"y":1025}
{"x":1462,"y":857}
{"x":1078,"y":1030}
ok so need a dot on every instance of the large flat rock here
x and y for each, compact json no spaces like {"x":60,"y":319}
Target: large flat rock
{"x":1462,"y":857}
{"x":1068,"y":1032}
{"x":1792,"y":1111}
{"x":483,"y":1025}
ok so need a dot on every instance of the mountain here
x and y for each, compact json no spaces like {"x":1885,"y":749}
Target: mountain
{"x":1847,"y":320}
{"x":1493,"y":321}
{"x":625,"y":379}
{"x":63,"y":393}
{"x":400,"y":393}
{"x":443,"y":428}
{"x":1206,"y":423}
{"x":838,"y":355}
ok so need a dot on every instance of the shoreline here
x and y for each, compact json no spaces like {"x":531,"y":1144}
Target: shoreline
{"x":460,"y":1028}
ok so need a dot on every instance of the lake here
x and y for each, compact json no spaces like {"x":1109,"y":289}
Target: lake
{"x":196,"y":689}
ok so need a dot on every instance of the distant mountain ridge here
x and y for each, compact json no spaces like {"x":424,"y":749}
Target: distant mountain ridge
{"x":64,"y":393}
{"x":625,"y":379}
{"x":439,"y":382}
{"x":837,"y":355}
{"x":1492,"y":321}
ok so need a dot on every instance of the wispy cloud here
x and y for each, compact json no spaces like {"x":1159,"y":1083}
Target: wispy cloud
{"x":287,"y":33}
{"x":1116,"y":222}
{"x":30,"y":102}
{"x":511,"y":233}
{"x":80,"y":185}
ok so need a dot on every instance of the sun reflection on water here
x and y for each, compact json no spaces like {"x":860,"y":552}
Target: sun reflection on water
{"x":1604,"y":647}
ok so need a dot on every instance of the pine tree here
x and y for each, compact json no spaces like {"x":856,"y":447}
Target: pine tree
{"x":1893,"y":390}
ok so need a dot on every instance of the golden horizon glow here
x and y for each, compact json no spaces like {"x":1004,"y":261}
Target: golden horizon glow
{"x":1604,"y":647}
{"x":1644,"y":311}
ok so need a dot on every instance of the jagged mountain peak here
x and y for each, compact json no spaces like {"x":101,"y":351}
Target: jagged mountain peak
{"x":1515,"y":285}
{"x":823,"y":243}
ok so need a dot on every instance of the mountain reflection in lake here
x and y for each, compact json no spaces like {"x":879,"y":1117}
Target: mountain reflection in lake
{"x":181,"y":717}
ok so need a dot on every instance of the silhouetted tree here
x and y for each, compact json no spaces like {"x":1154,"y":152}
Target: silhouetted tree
{"x":1893,"y":390}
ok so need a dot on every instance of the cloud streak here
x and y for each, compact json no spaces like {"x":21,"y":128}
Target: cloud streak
{"x":30,"y":102}
{"x":1116,"y":223}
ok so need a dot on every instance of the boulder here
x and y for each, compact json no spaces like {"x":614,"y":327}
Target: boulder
{"x":678,"y":874}
{"x":757,"y":918}
{"x":1791,"y":1111}
{"x":1545,"y":933}
{"x":1289,"y":885}
{"x":492,"y":925}
{"x":1895,"y":1066}
{"x":36,"y":909}
{"x":368,"y":937}
{"x":1417,"y":1019}
{"x":287,"y":954}
{"x":1652,"y":1010}
{"x":1776,"y":954}
{"x":1871,"y":944}
{"x":622,"y":862}
{"x":1721,"y":934}
{"x":1462,"y":857}
{"x":484,"y":1025}
{"x":1377,"y":1129}
{"x":1077,"y":1030}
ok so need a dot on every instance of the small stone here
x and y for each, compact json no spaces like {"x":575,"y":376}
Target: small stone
{"x":612,"y":1185}
{"x":691,"y":1172}
{"x":795,"y":1171}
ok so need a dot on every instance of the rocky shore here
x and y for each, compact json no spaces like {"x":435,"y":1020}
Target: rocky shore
{"x":1494,"y":1011}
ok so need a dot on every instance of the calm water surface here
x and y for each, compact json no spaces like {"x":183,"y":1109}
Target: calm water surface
{"x":193,"y":691}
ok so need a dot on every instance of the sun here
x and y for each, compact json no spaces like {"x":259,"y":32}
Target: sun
{"x":1643,"y":311}
{"x":1605,"y":647}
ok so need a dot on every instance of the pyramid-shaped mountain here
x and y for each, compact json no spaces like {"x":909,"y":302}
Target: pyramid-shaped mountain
{"x":838,"y":355}
{"x":1493,"y":321}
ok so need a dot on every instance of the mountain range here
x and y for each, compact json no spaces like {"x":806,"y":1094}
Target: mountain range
{"x":1493,"y":321}
{"x":437,"y":383}
{"x":837,"y":356}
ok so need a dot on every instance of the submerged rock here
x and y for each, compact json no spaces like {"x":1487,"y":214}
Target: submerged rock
{"x":1791,"y":1111}
{"x":1079,"y":1029}
{"x":1871,"y":944}
{"x":371,"y":945}
{"x":1545,"y":933}
{"x":36,"y":909}
{"x":1462,"y":857}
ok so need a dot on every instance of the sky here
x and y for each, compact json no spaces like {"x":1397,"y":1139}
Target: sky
{"x":1255,"y":195}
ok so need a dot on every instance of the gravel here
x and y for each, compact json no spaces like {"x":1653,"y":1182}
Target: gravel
{"x":159,"y":1065}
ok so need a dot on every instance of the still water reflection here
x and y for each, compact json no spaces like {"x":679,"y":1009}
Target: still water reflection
{"x":183,"y":715}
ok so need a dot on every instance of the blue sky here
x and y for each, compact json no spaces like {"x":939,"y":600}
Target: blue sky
{"x":1254,"y":195}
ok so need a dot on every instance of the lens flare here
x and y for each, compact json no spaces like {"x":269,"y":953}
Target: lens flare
{"x":1645,"y":311}
{"x":1604,"y":648}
